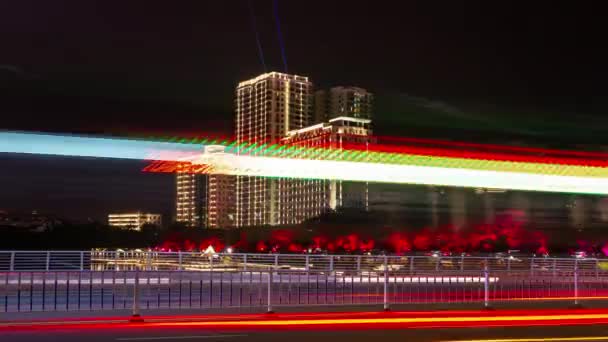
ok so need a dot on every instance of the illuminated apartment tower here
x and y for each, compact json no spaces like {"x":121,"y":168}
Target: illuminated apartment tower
{"x":205,"y":201}
{"x":303,"y":199}
{"x":353,"y":102}
{"x":267,"y":107}
{"x":190,"y":197}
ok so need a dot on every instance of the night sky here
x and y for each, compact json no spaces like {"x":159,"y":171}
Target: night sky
{"x":518,"y":72}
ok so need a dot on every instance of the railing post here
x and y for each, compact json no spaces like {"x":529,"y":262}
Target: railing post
{"x":532,"y":266}
{"x":276,"y":261}
{"x":136,"y":316}
{"x":331,"y":263}
{"x":359,"y":263}
{"x":82,"y":261}
{"x":179,"y":257}
{"x":307,"y":266}
{"x":576,"y":282}
{"x":486,"y":286}
{"x":149,"y":261}
{"x":245,"y":262}
{"x":48,"y":260}
{"x":597,"y":268}
{"x":462,"y":263}
{"x":269,"y":306}
{"x":386,"y":304}
{"x":437,"y":263}
{"x":554,"y":267}
{"x":509,"y":263}
{"x":412,"y":265}
{"x":12,"y":262}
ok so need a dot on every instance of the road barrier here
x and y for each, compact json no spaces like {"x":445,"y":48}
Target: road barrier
{"x":66,"y":281}
{"x":140,"y":290}
{"x":198,"y":261}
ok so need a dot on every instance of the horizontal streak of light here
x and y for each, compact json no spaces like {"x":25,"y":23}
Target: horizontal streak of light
{"x":399,"y":320}
{"x":541,"y":339}
{"x":401,"y":174}
{"x":226,"y":163}
{"x":77,"y":146}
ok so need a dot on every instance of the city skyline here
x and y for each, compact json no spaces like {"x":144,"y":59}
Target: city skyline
{"x":458,"y":72}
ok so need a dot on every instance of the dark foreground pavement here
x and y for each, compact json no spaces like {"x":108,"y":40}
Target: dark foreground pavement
{"x":515,"y":334}
{"x":509,"y":325}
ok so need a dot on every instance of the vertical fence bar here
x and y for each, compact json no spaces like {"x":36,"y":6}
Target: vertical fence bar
{"x":412,"y":265}
{"x":386,"y":305}
{"x":12,"y":262}
{"x":136,"y":316}
{"x":149,"y":261}
{"x":48,"y":260}
{"x":331,"y":263}
{"x":597,"y":268}
{"x":179,"y":257}
{"x":307,"y":266}
{"x":245,"y":262}
{"x":276,"y":261}
{"x":486,"y":286}
{"x":532,"y":266}
{"x":269,"y":306}
{"x":576,"y":282}
{"x":82,"y":261}
{"x":359,"y":263}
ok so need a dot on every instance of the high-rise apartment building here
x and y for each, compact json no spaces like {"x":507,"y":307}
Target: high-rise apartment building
{"x":191,"y":198}
{"x":205,"y":201}
{"x":267,"y":107}
{"x":303,"y":199}
{"x":353,"y":102}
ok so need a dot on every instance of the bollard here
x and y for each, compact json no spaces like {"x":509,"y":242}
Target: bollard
{"x":269,"y":306}
{"x":136,"y":316}
{"x":386,"y":305}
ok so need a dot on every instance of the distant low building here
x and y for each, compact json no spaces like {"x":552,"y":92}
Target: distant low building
{"x":133,"y":220}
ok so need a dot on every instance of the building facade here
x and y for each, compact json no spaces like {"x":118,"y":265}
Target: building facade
{"x":205,"y":200}
{"x":134,"y":220}
{"x":300,"y":200}
{"x":267,"y":107}
{"x":191,"y":196}
{"x":341,"y":101}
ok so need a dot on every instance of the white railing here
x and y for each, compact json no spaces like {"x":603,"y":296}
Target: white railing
{"x":195,"y":261}
{"x":268,"y":289}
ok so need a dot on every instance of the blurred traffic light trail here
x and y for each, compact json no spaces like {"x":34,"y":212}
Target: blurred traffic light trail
{"x":364,"y":320}
{"x":403,"y":165}
{"x":547,"y":339}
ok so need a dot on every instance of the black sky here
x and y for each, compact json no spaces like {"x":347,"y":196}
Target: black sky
{"x":514,"y":70}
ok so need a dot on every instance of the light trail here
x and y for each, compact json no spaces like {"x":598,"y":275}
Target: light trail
{"x":400,"y":320}
{"x":294,"y":162}
{"x":542,"y":339}
{"x":369,"y":320}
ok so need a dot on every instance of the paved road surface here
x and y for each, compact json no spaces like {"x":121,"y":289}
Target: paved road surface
{"x":576,"y":334}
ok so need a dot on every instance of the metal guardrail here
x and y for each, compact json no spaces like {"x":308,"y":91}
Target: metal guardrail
{"x":139,"y":290}
{"x":192,"y":261}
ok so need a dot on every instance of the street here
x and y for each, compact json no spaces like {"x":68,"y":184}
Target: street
{"x":515,"y":334}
